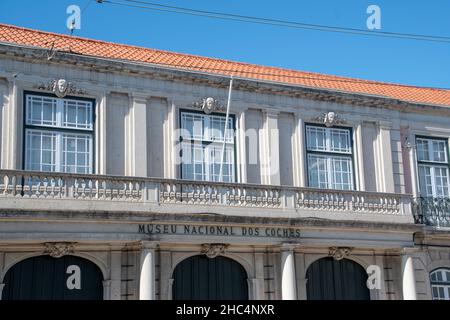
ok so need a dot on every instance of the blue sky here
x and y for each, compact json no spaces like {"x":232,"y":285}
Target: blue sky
{"x":385,"y":59}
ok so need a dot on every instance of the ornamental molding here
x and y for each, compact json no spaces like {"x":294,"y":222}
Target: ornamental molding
{"x":339,"y":253}
{"x":212,"y":250}
{"x":330,"y":119}
{"x":208,"y":105}
{"x":60,"y":87}
{"x":59,"y":249}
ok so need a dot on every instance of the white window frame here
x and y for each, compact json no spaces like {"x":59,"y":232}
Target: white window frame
{"x":59,"y":130}
{"x":207,"y":143}
{"x":437,"y":284}
{"x":329,"y":154}
{"x":432,"y":165}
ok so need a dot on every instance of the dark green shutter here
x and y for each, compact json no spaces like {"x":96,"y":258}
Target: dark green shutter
{"x":329,"y":279}
{"x":44,"y":278}
{"x":201,"y":278}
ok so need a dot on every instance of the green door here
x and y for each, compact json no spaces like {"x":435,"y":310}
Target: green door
{"x":202,"y":278}
{"x":329,"y":279}
{"x":47,"y":278}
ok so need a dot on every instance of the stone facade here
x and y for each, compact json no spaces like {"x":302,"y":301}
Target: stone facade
{"x":130,"y":216}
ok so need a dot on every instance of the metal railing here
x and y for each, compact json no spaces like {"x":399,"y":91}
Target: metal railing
{"x":432,"y":211}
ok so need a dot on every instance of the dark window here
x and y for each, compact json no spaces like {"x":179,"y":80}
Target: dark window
{"x":329,"y":157}
{"x":432,"y":158}
{"x":58,"y":134}
{"x":202,"y":142}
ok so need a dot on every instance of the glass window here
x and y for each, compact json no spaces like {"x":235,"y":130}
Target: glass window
{"x":433,"y":167}
{"x":329,"y":157}
{"x":440,"y":284}
{"x":58,"y":134}
{"x":203,"y":138}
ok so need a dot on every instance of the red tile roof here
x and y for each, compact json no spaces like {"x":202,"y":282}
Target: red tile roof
{"x":29,"y":37}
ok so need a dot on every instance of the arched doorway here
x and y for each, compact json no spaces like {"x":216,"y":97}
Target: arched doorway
{"x":47,"y":278}
{"x":330,"y":279}
{"x":203,"y":278}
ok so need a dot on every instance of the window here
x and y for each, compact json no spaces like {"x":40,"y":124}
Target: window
{"x":58,"y":134}
{"x":432,"y":157}
{"x":202,"y":141}
{"x":329,"y":157}
{"x":440,"y":284}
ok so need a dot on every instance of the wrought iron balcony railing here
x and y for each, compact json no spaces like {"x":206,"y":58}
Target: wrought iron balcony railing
{"x":432,"y":211}
{"x":129,"y":194}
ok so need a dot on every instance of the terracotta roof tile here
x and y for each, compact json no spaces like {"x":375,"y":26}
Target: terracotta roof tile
{"x":29,"y":37}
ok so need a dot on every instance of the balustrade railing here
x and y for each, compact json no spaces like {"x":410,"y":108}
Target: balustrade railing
{"x":29,"y":184}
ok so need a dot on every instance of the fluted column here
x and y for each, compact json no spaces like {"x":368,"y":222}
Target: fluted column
{"x":147,"y":277}
{"x":288,"y":279}
{"x":408,"y":278}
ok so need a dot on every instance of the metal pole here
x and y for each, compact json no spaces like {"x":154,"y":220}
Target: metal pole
{"x":225,"y":130}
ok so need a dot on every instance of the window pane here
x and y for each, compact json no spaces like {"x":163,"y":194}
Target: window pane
{"x":441,"y":181}
{"x":342,"y":173}
{"x":77,"y":114}
{"x":202,"y":147}
{"x":439,"y":151}
{"x":40,"y":153}
{"x":41,"y":111}
{"x":425,"y":181}
{"x":315,"y":138}
{"x":317,"y":168}
{"x":422,"y":150}
{"x":340,"y":140}
{"x":76,"y":153}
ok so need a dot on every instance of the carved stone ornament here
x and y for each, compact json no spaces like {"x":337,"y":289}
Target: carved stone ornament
{"x":212,"y":250}
{"x":59,"y":249}
{"x":330,"y":119}
{"x":209,"y":105}
{"x":60,"y":87}
{"x":339,"y":253}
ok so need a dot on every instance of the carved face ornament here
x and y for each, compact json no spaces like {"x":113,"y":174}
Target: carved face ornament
{"x":208,"y":105}
{"x":60,"y":87}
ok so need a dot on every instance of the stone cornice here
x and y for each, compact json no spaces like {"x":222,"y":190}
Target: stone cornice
{"x":136,"y":218}
{"x":32,"y":54}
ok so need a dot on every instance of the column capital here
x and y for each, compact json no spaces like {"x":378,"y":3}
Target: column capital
{"x":145,"y":244}
{"x":287,"y":246}
{"x":271,"y":113}
{"x":139,"y":96}
{"x":385,"y":124}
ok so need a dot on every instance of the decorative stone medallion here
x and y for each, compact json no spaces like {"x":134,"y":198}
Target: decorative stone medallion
{"x":212,"y":250}
{"x":208,"y":105}
{"x":339,"y":253}
{"x":59,"y":249}
{"x":60,"y":87}
{"x":329,"y":119}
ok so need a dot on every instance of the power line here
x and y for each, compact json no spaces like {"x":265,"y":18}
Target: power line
{"x":273,"y":22}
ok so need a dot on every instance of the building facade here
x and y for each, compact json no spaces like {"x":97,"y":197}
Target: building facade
{"x":122,"y":177}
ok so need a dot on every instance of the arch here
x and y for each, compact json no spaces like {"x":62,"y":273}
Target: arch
{"x":247,"y":265}
{"x":200,"y":277}
{"x":42,"y":277}
{"x":330,"y":279}
{"x":363,"y":263}
{"x":92,"y":258}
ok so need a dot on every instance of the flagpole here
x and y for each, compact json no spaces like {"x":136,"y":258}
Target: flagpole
{"x":225,"y":130}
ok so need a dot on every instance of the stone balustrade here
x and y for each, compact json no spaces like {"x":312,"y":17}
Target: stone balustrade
{"x":166,"y":192}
